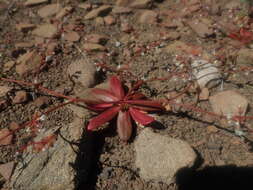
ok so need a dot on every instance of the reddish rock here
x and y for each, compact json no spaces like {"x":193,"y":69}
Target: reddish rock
{"x":5,"y":136}
{"x":14,"y":126}
{"x":109,"y":20}
{"x":20,"y":97}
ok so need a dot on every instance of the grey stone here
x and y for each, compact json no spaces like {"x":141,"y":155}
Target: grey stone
{"x":160,"y":157}
{"x":50,"y":169}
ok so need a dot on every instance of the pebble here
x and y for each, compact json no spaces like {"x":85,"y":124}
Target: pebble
{"x":148,"y":17}
{"x":71,"y":36}
{"x":20,"y":97}
{"x":49,"y":10}
{"x":82,"y":72}
{"x":28,"y":63}
{"x":45,"y":31}
{"x":7,"y":140}
{"x":109,"y":20}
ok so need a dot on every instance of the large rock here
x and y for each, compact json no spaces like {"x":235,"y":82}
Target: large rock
{"x":51,"y":169}
{"x":229,"y":103}
{"x":160,"y":157}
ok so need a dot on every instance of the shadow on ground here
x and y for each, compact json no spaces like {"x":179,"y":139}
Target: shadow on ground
{"x":218,"y":177}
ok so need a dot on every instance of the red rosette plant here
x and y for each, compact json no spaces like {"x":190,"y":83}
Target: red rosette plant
{"x":127,"y":106}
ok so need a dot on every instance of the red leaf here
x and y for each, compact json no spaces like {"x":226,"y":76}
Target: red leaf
{"x":103,"y":117}
{"x":124,"y":125}
{"x":140,"y":117}
{"x":104,"y":95}
{"x":101,"y":106}
{"x":136,"y":96}
{"x":146,"y":103}
{"x":116,"y":87}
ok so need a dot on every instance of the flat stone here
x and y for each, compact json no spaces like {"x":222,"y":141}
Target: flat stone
{"x":109,"y":20}
{"x":82,"y":72}
{"x":45,"y":31}
{"x":20,"y":97}
{"x":93,"y":47}
{"x":49,"y":10}
{"x":35,"y":2}
{"x":71,"y":36}
{"x":229,"y":103}
{"x":25,"y":27}
{"x":28,"y":63}
{"x":160,"y":157}
{"x":6,"y":170}
{"x":148,"y":17}
{"x":65,"y":11}
{"x":101,"y":11}
{"x":200,"y":28}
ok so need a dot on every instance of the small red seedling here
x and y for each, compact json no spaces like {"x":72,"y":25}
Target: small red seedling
{"x":115,"y":102}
